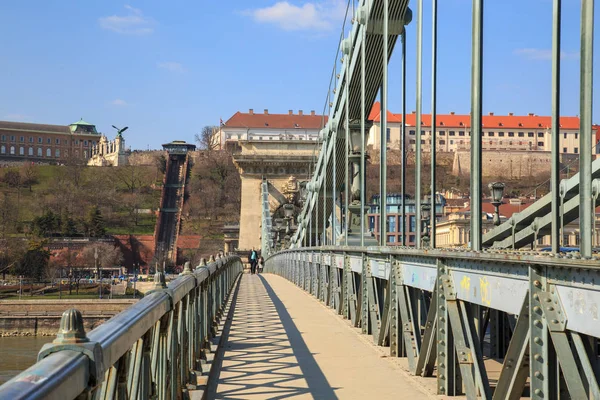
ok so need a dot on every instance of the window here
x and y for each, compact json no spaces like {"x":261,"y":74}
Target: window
{"x":49,"y":141}
{"x":442,"y":142}
{"x":500,"y":134}
{"x":21,"y":151}
{"x":442,"y":133}
{"x":3,"y":149}
{"x":500,"y":142}
{"x":452,"y":142}
{"x":57,"y":153}
{"x":412,"y":141}
{"x":510,"y":143}
{"x":530,"y":134}
{"x":391,"y":239}
{"x":521,"y":134}
{"x":85,"y":142}
{"x":576,"y":150}
{"x":12,"y":150}
{"x":540,"y":144}
{"x":576,"y":135}
{"x":30,"y":139}
{"x":57,"y":141}
{"x":540,"y":134}
{"x":66,"y":142}
{"x":411,"y":132}
{"x":76,"y":142}
{"x":451,"y":133}
{"x":422,"y":142}
{"x":48,"y":153}
{"x":12,"y":138}
{"x":3,"y":138}
{"x":511,"y":134}
{"x":565,"y":135}
{"x":391,"y":225}
{"x":371,"y":223}
{"x":39,"y":152}
{"x":412,"y":224}
{"x":22,"y":139}
{"x":39,"y":140}
{"x":491,"y":134}
{"x":564,"y":149}
{"x":461,"y":133}
{"x":387,"y":135}
{"x":30,"y":151}
{"x":422,"y":133}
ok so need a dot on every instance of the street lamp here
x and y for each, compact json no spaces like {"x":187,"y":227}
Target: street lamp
{"x":426,"y":214}
{"x":497,"y":189}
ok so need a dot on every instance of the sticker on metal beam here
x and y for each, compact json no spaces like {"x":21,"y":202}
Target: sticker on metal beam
{"x":326,"y":259}
{"x":581,"y":309}
{"x":496,"y":292}
{"x":380,"y":269}
{"x":419,"y":276}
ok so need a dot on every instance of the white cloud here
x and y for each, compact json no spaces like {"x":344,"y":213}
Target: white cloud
{"x":316,"y":15}
{"x":543,"y":54}
{"x":135,"y":23}
{"x":16,"y":117}
{"x":119,"y":103}
{"x":171,"y":66}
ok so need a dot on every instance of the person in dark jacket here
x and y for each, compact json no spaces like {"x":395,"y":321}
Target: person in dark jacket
{"x":253,"y":259}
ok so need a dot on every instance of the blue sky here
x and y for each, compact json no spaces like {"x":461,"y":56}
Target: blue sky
{"x":166,"y":69}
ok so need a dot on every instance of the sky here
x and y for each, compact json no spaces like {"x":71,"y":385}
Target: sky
{"x":168,"y":68}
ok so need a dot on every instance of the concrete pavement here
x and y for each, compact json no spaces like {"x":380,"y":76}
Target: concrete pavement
{"x":281,"y":343}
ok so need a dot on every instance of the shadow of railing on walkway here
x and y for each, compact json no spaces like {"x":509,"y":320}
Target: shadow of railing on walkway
{"x":259,"y":362}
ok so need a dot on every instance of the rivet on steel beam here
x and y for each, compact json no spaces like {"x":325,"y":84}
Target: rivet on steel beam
{"x":537,"y":283}
{"x":538,"y":357}
{"x":538,"y":340}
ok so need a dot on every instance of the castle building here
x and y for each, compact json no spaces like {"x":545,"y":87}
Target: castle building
{"x":499,"y":132}
{"x":23,"y":141}
{"x":108,"y":152}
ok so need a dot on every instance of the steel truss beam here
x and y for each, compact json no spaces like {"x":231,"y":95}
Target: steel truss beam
{"x":448,"y":312}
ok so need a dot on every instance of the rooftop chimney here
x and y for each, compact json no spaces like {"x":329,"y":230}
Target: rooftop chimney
{"x":291,"y":112}
{"x":312,"y":112}
{"x":510,"y":114}
{"x":451,"y":112}
{"x":251,"y":111}
{"x":266,"y":111}
{"x":414,"y":112}
{"x":491,"y":114}
{"x":531,"y":114}
{"x":300,"y":112}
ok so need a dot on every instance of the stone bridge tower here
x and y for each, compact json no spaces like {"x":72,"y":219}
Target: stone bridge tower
{"x":281,"y":148}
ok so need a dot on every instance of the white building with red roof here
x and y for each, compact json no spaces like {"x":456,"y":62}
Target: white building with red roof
{"x":500,"y":132}
{"x":251,"y":126}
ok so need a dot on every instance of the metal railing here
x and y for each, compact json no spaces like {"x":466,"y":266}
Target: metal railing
{"x":153,"y":349}
{"x":533,"y":314}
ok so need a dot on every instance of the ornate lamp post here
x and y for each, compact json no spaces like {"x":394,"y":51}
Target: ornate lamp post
{"x":497,"y":189}
{"x":279,"y":229}
{"x":425,"y":214}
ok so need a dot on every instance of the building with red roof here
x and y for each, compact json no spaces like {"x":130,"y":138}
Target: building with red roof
{"x":265,"y":126}
{"x":500,"y":132}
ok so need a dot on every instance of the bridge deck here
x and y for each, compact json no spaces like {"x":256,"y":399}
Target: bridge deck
{"x":281,"y":343}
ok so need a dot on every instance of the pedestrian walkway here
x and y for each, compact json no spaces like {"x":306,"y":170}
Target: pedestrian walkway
{"x":283,"y":344}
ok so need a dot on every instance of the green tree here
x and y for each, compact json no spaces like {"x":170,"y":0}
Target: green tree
{"x":34,"y":262}
{"x":67,"y":226}
{"x":95,"y":223}
{"x":46,"y":224}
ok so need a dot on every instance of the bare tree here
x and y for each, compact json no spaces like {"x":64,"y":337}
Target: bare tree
{"x":209,"y":138}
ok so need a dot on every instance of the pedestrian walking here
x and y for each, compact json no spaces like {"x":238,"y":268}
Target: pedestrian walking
{"x":253,"y":258}
{"x":261,"y":264}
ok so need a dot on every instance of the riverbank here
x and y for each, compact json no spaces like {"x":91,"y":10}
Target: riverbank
{"x":42,"y":317}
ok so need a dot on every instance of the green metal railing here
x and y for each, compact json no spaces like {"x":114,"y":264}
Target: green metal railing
{"x":153,"y":349}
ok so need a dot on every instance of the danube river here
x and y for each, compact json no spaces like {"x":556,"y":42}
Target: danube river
{"x":18,"y":353}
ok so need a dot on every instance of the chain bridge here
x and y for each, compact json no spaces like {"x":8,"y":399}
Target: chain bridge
{"x":338,"y":313}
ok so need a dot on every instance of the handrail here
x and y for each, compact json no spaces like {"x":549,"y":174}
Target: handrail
{"x":182,"y":314}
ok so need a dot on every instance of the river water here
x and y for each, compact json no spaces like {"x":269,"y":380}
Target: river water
{"x":19,"y":353}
